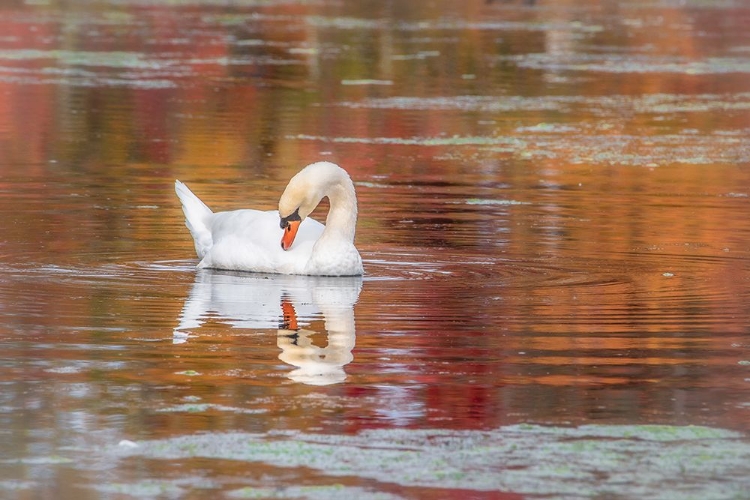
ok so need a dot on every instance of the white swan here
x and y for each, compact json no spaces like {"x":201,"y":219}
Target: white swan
{"x":248,"y":240}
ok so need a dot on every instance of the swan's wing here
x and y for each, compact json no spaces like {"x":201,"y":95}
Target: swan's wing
{"x":250,"y":240}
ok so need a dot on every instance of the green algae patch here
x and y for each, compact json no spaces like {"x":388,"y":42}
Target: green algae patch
{"x":15,"y":485}
{"x":114,"y":59}
{"x":599,"y":139}
{"x":143,"y":489}
{"x":43,"y":460}
{"x":631,"y":63}
{"x":605,"y":106}
{"x":156,"y":488}
{"x":587,"y":462}
{"x":332,"y":492}
{"x":592,"y":148}
{"x":366,"y":82}
{"x":189,"y":373}
{"x":205,"y":407}
{"x":455,"y":140}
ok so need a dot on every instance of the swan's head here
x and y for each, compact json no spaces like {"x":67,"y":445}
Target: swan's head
{"x":303,"y":194}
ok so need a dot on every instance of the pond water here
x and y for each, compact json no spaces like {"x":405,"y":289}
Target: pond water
{"x":554,"y":219}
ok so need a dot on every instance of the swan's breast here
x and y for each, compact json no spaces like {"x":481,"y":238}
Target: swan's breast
{"x":334,"y":260}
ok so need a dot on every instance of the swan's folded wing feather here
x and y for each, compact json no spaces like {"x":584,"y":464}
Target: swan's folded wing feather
{"x":250,"y":240}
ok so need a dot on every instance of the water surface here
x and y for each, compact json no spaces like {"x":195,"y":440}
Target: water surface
{"x":554,"y":219}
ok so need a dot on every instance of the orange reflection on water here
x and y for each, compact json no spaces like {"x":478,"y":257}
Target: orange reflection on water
{"x":553,"y":211}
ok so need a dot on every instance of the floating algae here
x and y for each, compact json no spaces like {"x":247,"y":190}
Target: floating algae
{"x":640,"y":461}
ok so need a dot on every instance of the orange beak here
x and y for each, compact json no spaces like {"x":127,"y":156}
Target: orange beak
{"x":290,"y":232}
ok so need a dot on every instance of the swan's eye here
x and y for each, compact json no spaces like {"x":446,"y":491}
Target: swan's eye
{"x":284,"y":223}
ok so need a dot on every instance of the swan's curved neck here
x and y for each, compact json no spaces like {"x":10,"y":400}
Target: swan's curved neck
{"x":342,"y":214}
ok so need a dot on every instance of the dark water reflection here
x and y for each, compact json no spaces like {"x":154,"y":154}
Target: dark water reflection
{"x":554,"y":218}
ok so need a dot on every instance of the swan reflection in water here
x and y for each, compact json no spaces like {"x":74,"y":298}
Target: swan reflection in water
{"x":287,"y":304}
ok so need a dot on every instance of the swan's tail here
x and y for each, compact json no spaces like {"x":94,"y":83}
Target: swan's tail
{"x":197,"y":216}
